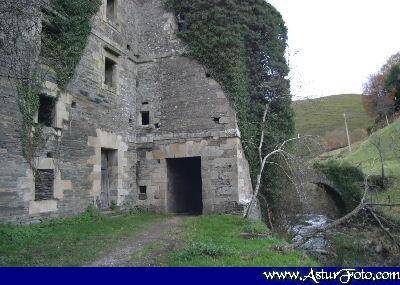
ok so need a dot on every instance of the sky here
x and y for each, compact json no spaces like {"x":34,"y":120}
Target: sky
{"x":334,"y":45}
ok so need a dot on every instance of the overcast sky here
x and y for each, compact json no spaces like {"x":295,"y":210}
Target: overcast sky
{"x":334,"y":45}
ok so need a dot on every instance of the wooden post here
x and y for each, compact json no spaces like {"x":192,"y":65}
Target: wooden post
{"x":347,"y":131}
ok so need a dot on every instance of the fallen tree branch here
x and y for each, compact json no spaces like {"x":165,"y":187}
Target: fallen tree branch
{"x":383,"y":204}
{"x":329,"y":226}
{"x":363,"y":205}
{"x":254,"y":235}
{"x":386,"y":231}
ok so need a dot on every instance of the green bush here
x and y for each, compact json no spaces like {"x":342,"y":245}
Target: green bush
{"x":346,"y":179}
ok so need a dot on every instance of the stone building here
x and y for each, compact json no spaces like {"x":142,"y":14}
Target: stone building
{"x":139,"y":125}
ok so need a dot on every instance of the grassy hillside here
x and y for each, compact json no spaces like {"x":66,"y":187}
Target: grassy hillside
{"x":366,"y":156}
{"x":324,"y":117}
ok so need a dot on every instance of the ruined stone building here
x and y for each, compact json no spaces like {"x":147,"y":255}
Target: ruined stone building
{"x":139,"y":125}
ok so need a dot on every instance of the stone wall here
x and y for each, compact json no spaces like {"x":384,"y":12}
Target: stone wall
{"x":190,"y":116}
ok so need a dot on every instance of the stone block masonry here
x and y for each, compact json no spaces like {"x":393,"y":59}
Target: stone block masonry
{"x":107,"y":152}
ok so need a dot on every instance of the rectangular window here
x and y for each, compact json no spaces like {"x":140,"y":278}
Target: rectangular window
{"x":142,"y":192}
{"x":143,"y":189}
{"x":145,"y":118}
{"x":109,"y":72}
{"x":46,"y":110}
{"x":44,"y":184}
{"x":111,"y":10}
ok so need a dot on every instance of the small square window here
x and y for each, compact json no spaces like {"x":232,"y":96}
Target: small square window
{"x":143,"y":189}
{"x":111,"y":10}
{"x":46,"y":110}
{"x":145,"y":115}
{"x":109,"y":72}
{"x":44,"y":184}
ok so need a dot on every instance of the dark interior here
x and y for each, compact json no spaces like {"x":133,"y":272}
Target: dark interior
{"x":184,"y":186}
{"x":45,"y":112}
{"x":145,"y":118}
{"x":109,"y":72}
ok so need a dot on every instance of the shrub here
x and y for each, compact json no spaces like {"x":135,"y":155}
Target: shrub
{"x":346,"y":179}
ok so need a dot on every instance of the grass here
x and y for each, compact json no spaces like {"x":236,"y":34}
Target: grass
{"x":152,"y":254}
{"x":206,"y":241}
{"x":68,"y":242}
{"x":215,"y":241}
{"x":366,"y":156}
{"x":324,"y":117}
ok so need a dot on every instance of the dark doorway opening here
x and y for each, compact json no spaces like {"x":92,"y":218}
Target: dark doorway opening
{"x":184,"y":186}
{"x":109,"y":176}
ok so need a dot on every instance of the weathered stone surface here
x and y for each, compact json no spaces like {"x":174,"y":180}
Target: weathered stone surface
{"x":190,"y":116}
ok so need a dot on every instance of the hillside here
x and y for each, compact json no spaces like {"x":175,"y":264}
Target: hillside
{"x":324,"y":117}
{"x":366,"y":156}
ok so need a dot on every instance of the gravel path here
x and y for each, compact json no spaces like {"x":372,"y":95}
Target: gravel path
{"x":160,"y":239}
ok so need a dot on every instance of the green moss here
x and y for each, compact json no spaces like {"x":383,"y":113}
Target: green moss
{"x":346,"y":179}
{"x":242,"y":43}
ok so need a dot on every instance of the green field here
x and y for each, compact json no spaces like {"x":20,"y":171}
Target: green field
{"x":366,"y":156}
{"x":324,"y":117}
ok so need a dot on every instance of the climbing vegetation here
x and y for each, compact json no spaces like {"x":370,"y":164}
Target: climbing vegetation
{"x":346,"y":179}
{"x":242,"y":44}
{"x":28,"y":103}
{"x":65,"y":40}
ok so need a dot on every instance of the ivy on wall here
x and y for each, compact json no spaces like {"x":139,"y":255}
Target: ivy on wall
{"x":28,"y":104}
{"x":242,"y":43}
{"x":62,"y":46}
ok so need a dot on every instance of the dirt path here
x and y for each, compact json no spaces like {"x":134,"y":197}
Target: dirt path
{"x":148,"y":248}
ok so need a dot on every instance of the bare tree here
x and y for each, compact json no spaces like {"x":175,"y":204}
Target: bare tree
{"x":376,"y":141}
{"x":290,"y":167}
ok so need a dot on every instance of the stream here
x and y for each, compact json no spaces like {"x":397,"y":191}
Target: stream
{"x":304,"y":225}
